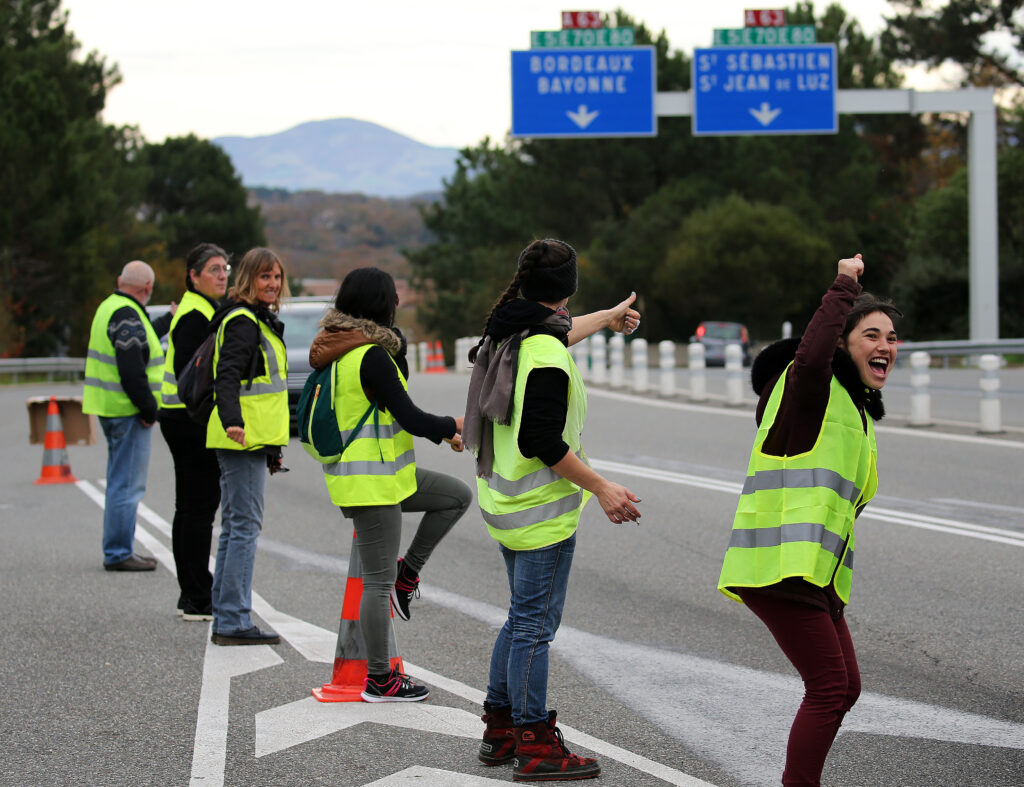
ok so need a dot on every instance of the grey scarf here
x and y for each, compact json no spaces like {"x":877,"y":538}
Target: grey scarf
{"x":492,"y":388}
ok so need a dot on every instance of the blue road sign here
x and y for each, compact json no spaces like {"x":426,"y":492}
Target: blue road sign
{"x":584,"y":92}
{"x":765,"y":90}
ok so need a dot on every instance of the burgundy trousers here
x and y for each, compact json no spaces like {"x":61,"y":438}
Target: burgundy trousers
{"x":821,"y":650}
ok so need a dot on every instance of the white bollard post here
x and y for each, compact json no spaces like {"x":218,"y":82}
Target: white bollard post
{"x":990,"y":410}
{"x":698,"y":372}
{"x":617,"y":361}
{"x":638,"y":359}
{"x":787,"y":330}
{"x":667,"y":363}
{"x":598,"y":359}
{"x":920,"y":399}
{"x":581,"y":355}
{"x":424,"y":350}
{"x":733,"y":375}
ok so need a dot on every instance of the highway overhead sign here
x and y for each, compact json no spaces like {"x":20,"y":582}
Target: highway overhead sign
{"x":584,"y":92}
{"x":765,"y":90}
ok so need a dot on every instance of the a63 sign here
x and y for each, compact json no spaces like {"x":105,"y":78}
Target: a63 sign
{"x":764,"y":18}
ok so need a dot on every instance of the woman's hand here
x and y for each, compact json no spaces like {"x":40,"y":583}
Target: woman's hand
{"x":236,"y":433}
{"x":455,"y":443}
{"x":622,"y":318}
{"x":854,"y":268}
{"x":617,"y":502}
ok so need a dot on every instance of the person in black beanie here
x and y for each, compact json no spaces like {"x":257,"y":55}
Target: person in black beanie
{"x":524,"y":416}
{"x":196,"y":472}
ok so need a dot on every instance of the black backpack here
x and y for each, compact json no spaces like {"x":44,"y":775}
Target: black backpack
{"x":195,"y":383}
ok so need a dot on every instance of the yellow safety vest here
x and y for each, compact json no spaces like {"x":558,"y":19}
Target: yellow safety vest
{"x":378,"y":466}
{"x":190,"y":301}
{"x":795,"y":515}
{"x":525,"y":503}
{"x":264,"y":403}
{"x":103,"y":393}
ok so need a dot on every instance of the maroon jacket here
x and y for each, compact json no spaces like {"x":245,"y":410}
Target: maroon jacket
{"x":816,"y":360}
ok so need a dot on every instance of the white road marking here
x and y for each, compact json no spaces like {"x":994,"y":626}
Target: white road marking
{"x":1015,"y":445}
{"x":220,"y":665}
{"x":907,"y":518}
{"x":435,"y":778}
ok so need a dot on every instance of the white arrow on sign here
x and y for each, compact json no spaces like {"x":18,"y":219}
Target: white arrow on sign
{"x":765,"y":114}
{"x":581,"y":117}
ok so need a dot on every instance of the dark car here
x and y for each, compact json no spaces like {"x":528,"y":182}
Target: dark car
{"x":301,"y":318}
{"x":715,"y":335}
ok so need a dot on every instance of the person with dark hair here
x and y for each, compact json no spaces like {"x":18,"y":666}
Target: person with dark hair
{"x":196,"y":472}
{"x":525,"y":412}
{"x":248,"y":425}
{"x":377,"y":478}
{"x":812,"y":470}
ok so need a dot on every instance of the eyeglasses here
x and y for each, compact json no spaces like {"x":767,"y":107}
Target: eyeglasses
{"x":217,"y":270}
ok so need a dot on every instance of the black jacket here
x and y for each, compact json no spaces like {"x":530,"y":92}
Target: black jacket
{"x":240,"y":357}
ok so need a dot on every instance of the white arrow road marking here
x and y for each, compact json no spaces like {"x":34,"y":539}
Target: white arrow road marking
{"x":581,"y":117}
{"x":435,"y":778}
{"x":220,"y":665}
{"x":765,"y":114}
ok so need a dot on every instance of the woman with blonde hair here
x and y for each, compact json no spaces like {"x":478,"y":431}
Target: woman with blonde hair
{"x":247,"y":428}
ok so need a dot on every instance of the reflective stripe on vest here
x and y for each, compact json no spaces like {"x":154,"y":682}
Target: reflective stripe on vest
{"x":378,"y":466}
{"x":795,"y":516}
{"x":264,"y":404}
{"x":103,"y":393}
{"x":190,"y":302}
{"x":525,"y":503}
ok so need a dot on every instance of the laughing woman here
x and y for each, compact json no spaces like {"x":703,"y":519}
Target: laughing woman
{"x":811,"y":471}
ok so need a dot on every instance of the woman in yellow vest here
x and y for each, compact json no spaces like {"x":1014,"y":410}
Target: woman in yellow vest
{"x":196,"y":472}
{"x":376,"y":478}
{"x":247,"y":428}
{"x":811,"y":471}
{"x":524,"y":417}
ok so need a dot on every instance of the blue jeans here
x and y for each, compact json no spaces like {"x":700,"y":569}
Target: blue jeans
{"x":538,"y":580}
{"x":128,"y":443}
{"x":243,"y":476}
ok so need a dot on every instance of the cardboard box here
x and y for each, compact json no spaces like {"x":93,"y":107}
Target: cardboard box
{"x":79,"y":428}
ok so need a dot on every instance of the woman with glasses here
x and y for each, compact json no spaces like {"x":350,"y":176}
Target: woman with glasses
{"x":196,"y":474}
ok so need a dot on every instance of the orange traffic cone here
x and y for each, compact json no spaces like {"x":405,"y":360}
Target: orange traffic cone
{"x":56,"y":468}
{"x":435,"y":360}
{"x":349,"y":676}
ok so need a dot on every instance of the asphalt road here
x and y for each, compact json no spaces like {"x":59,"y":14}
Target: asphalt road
{"x":655,"y":671}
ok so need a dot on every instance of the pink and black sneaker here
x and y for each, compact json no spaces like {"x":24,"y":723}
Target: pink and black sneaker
{"x":406,"y":588}
{"x":395,"y":687}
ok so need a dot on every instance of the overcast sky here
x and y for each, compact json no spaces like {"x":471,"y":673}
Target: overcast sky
{"x":435,"y":71}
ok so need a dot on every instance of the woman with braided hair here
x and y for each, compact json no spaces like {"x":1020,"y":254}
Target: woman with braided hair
{"x":524,"y":417}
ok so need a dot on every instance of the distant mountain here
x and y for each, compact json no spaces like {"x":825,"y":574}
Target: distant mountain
{"x":341,"y":155}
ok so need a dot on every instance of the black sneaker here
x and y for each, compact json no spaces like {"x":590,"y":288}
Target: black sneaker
{"x":192,"y":612}
{"x":406,"y":588}
{"x":397,"y":688}
{"x":251,"y":636}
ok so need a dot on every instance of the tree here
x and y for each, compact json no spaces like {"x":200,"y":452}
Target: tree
{"x":742,"y":261}
{"x":959,"y":32}
{"x":933,"y":289}
{"x":69,"y":189}
{"x":193,"y":194}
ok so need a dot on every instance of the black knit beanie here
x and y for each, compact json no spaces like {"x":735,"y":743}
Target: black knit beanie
{"x":549,"y":284}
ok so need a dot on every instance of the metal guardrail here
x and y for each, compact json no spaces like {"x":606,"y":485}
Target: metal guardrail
{"x":960,"y":347}
{"x":71,"y":368}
